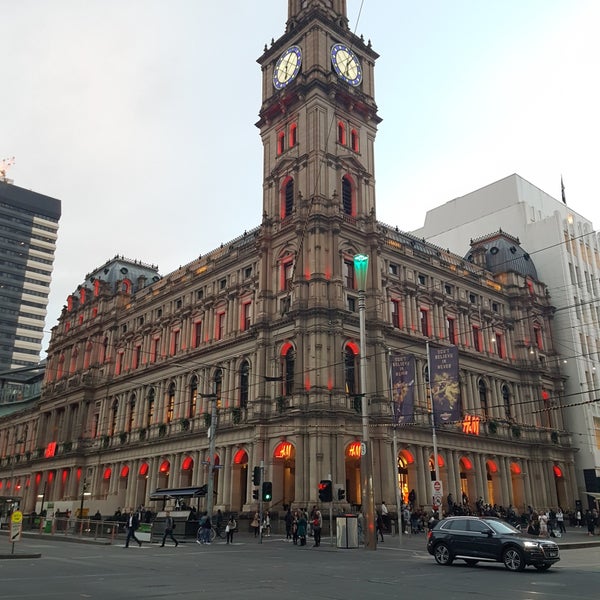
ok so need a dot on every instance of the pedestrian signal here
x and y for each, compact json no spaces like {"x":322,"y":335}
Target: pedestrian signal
{"x":325,"y":490}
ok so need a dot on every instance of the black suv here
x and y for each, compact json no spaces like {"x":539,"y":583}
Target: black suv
{"x":473,"y":539}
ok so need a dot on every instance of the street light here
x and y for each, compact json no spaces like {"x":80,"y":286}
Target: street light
{"x":361,"y":266}
{"x":84,"y":493}
{"x":212,"y":437}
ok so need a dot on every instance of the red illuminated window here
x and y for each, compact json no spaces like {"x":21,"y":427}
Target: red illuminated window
{"x":354,"y":140}
{"x":293,"y":135}
{"x":245,"y":316}
{"x":451,"y":325}
{"x":220,"y":326}
{"x":119,"y":362}
{"x":280,"y":142}
{"x":341,"y":133}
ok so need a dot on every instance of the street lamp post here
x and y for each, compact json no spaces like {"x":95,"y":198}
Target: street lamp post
{"x":361,"y":266}
{"x":212,"y":438}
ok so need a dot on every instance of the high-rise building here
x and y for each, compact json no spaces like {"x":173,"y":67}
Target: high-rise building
{"x":272,"y":349}
{"x":28,"y":232}
{"x":566,"y":251}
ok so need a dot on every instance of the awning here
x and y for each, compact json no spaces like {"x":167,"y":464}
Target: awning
{"x":185,"y":492}
{"x":594,"y":495}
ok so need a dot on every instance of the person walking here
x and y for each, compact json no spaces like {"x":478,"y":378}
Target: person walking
{"x":302,"y":524}
{"x":560,"y":520}
{"x":317,"y":526}
{"x":379,"y":525}
{"x":267,"y":524}
{"x":219,"y":524}
{"x":133,"y":523}
{"x":255,"y":524}
{"x":289,"y":519}
{"x":385,"y":515}
{"x":230,"y":529}
{"x":169,"y":526}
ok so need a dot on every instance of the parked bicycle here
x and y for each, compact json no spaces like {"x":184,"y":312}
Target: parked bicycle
{"x":201,"y":533}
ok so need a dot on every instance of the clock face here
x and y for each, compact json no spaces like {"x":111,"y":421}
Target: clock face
{"x":346,"y":64}
{"x":287,"y":67}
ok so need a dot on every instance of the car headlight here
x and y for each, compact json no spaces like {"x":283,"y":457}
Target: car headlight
{"x":532,"y":544}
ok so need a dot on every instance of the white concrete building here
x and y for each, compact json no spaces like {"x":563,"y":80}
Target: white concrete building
{"x":565,"y":249}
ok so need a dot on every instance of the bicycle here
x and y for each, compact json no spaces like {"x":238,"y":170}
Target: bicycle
{"x":201,"y":533}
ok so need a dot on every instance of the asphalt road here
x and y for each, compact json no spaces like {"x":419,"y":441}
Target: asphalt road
{"x":276,"y":570}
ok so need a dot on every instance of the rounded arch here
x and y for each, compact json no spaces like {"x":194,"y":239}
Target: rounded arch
{"x":287,"y":193}
{"x":187,"y":464}
{"x":348,"y":195}
{"x":240,"y":457}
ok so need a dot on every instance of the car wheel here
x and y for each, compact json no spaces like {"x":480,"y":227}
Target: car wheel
{"x":543,"y":567}
{"x":470,"y":562}
{"x":513,"y":559}
{"x":442,"y":555}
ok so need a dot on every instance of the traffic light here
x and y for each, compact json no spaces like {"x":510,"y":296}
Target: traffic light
{"x":341,"y":494}
{"x":267,"y":491}
{"x":325,"y":490}
{"x":255,"y":494}
{"x":256,"y":476}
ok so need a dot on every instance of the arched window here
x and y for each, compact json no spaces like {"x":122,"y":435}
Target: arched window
{"x":218,"y":382}
{"x":150,"y":407}
{"x":126,"y":286}
{"x":350,"y":369}
{"x":289,"y":359}
{"x":483,"y":399}
{"x":193,"y":397}
{"x":341,"y":133}
{"x":73,"y":362}
{"x":244,"y":383}
{"x":506,"y":400}
{"x":61,"y":366}
{"x":288,"y":199}
{"x":354,"y":140}
{"x":280,"y":142}
{"x":293,"y":135}
{"x":347,"y":193}
{"x":131,"y":415}
{"x":113,"y":417}
{"x":170,"y":402}
{"x":87,"y":357}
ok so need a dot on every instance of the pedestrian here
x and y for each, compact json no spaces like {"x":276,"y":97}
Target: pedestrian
{"x":317,"y":525}
{"x":589,"y":521}
{"x":385,"y":515}
{"x":560,"y":519}
{"x":302,"y":523}
{"x":412,"y":497}
{"x":289,"y":519}
{"x":169,"y":526}
{"x":267,"y":524}
{"x":207,"y":526}
{"x":230,"y":529}
{"x":219,"y":523}
{"x":405,"y":519}
{"x":534,"y":525}
{"x":295,"y":528}
{"x":132,"y":524}
{"x":379,"y":525}
{"x":255,"y":524}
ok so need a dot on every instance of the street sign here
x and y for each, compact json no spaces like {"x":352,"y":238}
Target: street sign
{"x":16,"y":525}
{"x":437,"y":487}
{"x":437,"y":500}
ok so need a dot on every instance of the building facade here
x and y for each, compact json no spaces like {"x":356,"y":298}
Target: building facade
{"x":265,"y":331}
{"x":566,"y":251}
{"x":28,"y":232}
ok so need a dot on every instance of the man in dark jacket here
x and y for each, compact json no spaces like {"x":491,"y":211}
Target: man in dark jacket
{"x":169,"y":526}
{"x":132,"y":524}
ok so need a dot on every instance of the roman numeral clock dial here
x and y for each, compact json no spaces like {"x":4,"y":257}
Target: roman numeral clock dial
{"x":346,"y":64}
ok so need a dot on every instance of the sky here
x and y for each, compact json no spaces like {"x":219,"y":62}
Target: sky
{"x":139,"y":115}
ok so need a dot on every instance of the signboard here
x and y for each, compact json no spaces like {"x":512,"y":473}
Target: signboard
{"x":16,"y":526}
{"x":437,"y":490}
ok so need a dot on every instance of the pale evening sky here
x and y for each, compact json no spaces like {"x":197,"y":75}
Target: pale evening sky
{"x":139,"y":114}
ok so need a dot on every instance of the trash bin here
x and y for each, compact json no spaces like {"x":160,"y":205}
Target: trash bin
{"x":48,"y":526}
{"x":346,"y":531}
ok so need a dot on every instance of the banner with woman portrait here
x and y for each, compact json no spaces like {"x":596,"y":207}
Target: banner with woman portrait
{"x":444,"y":384}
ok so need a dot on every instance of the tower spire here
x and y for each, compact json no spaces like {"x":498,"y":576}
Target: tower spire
{"x":335,"y":9}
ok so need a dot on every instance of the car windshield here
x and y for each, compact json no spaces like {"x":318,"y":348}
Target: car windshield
{"x":502,"y":527}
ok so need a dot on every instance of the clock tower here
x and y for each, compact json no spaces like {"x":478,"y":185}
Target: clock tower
{"x":318,"y":121}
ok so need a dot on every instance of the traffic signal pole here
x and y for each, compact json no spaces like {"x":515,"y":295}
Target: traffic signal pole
{"x":260,"y":502}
